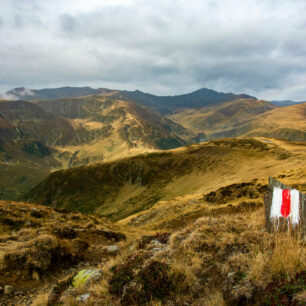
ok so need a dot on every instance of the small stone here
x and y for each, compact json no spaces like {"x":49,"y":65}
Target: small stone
{"x":156,"y":249}
{"x":86,"y":277}
{"x":112,"y":248}
{"x":156,"y":242}
{"x":8,"y":289}
{"x":83,"y":298}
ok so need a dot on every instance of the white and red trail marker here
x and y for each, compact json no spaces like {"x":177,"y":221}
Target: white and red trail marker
{"x":285,"y":208}
{"x":285,"y":204}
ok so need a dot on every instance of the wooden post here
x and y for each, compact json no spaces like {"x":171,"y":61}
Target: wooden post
{"x":282,"y":224}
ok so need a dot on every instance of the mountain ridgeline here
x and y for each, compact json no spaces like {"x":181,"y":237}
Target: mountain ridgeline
{"x":163,"y":104}
{"x":49,"y":135}
{"x":45,"y":130}
{"x":120,"y":188}
{"x":138,"y":197}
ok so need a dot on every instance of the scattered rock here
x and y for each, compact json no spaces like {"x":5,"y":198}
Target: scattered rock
{"x":85,"y":277}
{"x":156,"y":249}
{"x":159,"y":238}
{"x":8,"y":289}
{"x":112,"y":249}
{"x":83,"y":298}
{"x":156,"y":242}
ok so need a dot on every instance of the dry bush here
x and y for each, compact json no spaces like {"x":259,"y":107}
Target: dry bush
{"x":238,"y":262}
{"x":236,"y":256}
{"x":188,"y":280}
{"x":214,"y":299}
{"x":288,"y":258}
{"x":41,"y":300}
{"x":42,"y":254}
{"x":4,"y":230}
{"x":258,"y":272}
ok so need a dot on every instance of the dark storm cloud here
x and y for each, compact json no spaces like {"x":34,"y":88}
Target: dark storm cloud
{"x":164,"y":47}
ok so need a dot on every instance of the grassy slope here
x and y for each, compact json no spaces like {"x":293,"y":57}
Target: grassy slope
{"x":124,"y":187}
{"x":204,"y":243}
{"x":216,"y":118}
{"x":247,"y":118}
{"x":72,"y":132}
{"x":131,"y":129}
{"x":285,"y":123}
{"x":39,"y":245}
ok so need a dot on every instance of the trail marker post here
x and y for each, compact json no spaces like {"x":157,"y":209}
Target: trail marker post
{"x":285,"y":208}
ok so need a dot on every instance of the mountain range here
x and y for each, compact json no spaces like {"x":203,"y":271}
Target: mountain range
{"x":45,"y":130}
{"x":159,"y":198}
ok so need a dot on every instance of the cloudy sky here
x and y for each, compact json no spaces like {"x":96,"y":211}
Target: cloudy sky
{"x":159,"y":46}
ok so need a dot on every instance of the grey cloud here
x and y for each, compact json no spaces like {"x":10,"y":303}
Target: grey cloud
{"x":68,"y":23}
{"x":18,"y":21}
{"x":165,"y":47}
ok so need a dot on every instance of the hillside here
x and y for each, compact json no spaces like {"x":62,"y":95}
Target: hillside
{"x":246,"y":117}
{"x":124,"y":187}
{"x":191,"y":231}
{"x":139,"y":124}
{"x":40,"y":245}
{"x":285,"y":123}
{"x":37,"y":138}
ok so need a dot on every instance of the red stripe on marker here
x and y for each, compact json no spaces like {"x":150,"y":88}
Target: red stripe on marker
{"x":286,"y":204}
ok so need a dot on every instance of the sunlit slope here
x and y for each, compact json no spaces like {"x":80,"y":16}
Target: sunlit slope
{"x":38,"y":138}
{"x":222,"y":116}
{"x":124,"y":187}
{"x":122,"y":128}
{"x":285,"y":123}
{"x":246,"y":117}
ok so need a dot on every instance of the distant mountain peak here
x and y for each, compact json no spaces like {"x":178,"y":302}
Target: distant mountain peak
{"x":17,"y":93}
{"x":283,"y":103}
{"x":21,"y":91}
{"x":163,"y":104}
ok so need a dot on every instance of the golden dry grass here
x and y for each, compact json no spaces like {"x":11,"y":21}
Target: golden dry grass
{"x":246,"y":118}
{"x":41,"y":300}
{"x":219,"y":249}
{"x":214,"y":299}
